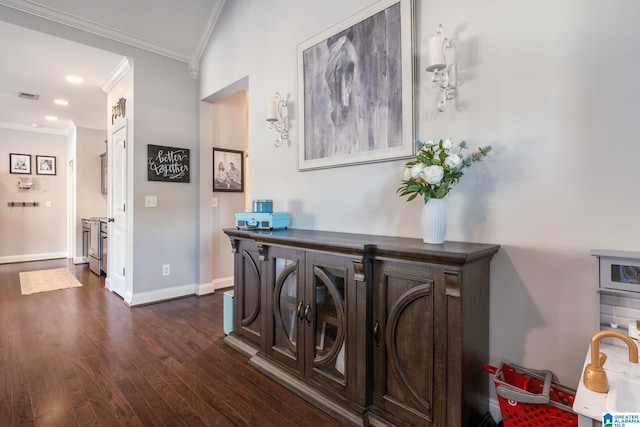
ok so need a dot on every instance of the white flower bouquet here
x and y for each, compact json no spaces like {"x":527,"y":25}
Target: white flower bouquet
{"x":436,"y":168}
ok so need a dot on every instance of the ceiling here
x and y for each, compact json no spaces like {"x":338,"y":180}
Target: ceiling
{"x":37,"y":63}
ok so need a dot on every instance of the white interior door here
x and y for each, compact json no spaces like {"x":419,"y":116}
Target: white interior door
{"x":118,"y":220}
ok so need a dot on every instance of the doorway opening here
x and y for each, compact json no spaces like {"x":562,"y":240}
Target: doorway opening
{"x":224,"y":125}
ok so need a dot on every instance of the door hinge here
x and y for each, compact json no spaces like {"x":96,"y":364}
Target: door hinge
{"x":124,"y":207}
{"x":124,"y":144}
{"x":123,"y":271}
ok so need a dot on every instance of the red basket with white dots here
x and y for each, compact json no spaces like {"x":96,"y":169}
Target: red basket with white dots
{"x":530,"y":398}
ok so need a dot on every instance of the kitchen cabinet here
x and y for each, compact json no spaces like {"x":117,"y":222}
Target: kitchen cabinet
{"x":374,"y":330}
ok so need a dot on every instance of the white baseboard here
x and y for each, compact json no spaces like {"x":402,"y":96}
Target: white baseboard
{"x":494,"y":408}
{"x":32,"y":257}
{"x":160,"y":295}
{"x":139,"y":298}
{"x":209,"y":288}
{"x":204,"y":289}
{"x":80,"y":260}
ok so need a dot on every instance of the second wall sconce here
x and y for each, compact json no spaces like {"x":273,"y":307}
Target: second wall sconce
{"x":278,"y":117}
{"x":445,"y":75}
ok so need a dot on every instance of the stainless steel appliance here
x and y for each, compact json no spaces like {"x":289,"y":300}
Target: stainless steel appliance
{"x":86,"y":231}
{"x":95,"y":245}
{"x":104,"y":227}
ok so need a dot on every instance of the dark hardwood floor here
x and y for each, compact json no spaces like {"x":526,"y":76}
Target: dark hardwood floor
{"x":81,"y":357}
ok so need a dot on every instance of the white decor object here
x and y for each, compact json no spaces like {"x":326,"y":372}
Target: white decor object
{"x":434,"y":221}
{"x":443,"y":73}
{"x":278,"y":117}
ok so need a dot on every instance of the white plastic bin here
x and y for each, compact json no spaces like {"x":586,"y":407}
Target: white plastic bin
{"x":227,"y":308}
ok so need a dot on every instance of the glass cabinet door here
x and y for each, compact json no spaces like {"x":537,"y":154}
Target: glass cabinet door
{"x":287,"y":309}
{"x":329,"y":320}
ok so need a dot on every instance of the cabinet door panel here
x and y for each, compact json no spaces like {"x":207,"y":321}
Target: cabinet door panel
{"x":285,"y":317}
{"x":287,"y":309}
{"x":332,"y":335}
{"x":403,"y":351}
{"x":329,"y":320}
{"x":249,"y":298}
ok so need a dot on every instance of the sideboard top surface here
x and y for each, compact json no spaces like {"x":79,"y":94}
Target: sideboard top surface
{"x":457,"y":253}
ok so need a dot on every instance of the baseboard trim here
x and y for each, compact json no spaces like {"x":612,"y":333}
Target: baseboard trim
{"x":32,"y":257}
{"x":210,"y":288}
{"x":80,"y":260}
{"x":494,"y":408}
{"x":140,"y":298}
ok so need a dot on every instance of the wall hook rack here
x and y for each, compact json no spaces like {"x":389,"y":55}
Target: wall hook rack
{"x":23,"y":204}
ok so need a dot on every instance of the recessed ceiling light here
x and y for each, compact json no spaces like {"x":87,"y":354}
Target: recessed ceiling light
{"x":74,"y":79}
{"x":51,"y":118}
{"x":61,"y":102}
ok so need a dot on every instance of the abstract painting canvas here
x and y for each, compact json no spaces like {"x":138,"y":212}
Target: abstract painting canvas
{"x":356,"y":85}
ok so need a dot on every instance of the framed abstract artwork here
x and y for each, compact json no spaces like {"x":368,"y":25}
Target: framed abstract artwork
{"x":355,"y":81}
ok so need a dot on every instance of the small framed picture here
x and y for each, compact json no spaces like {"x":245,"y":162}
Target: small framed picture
{"x":45,"y":165}
{"x":228,"y":170}
{"x":20,"y":163}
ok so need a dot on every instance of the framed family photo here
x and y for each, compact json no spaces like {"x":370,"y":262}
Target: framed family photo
{"x":228,"y":170}
{"x":20,"y":163}
{"x":45,"y":165}
{"x":356,"y":86}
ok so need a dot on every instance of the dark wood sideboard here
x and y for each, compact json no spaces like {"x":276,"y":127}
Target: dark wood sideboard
{"x":373,"y":330}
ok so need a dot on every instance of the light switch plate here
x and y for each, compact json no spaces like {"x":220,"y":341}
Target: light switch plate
{"x":150,"y":201}
{"x":214,"y":202}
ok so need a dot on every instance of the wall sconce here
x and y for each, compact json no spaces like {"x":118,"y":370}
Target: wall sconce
{"x":278,"y":117}
{"x":445,"y":75}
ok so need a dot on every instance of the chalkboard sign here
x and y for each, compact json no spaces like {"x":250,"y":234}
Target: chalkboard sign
{"x":167,"y":164}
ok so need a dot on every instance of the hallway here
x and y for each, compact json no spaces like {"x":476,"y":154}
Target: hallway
{"x":80,"y":356}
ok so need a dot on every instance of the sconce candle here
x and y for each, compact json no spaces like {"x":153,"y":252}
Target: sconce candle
{"x":444,"y":74}
{"x":272,"y":114}
{"x":435,"y":54}
{"x":278,"y":117}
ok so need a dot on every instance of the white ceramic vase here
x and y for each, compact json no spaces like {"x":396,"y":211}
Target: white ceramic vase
{"x":434,"y":221}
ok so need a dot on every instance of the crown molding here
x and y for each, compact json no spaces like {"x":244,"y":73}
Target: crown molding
{"x":216,"y":10}
{"x":54,"y":15}
{"x":214,"y":14}
{"x":119,"y":72}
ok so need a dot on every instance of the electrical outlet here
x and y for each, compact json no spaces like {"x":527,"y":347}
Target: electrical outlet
{"x":166,"y":269}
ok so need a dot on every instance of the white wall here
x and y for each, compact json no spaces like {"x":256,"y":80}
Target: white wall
{"x":552,"y":86}
{"x":29,"y":233}
{"x":165,"y":114}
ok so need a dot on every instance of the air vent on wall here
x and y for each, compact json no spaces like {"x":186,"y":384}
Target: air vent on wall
{"x":26,"y":95}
